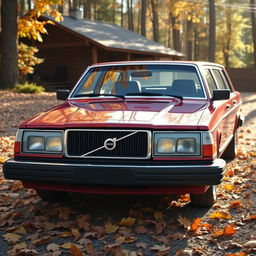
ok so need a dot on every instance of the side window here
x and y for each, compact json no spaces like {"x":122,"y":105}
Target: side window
{"x":219,"y":79}
{"x":210,"y":81}
{"x":224,"y":76}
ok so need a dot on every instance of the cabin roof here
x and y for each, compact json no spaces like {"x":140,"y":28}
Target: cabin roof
{"x":115,"y":37}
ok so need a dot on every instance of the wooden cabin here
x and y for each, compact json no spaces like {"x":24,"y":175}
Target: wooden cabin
{"x":74,"y":44}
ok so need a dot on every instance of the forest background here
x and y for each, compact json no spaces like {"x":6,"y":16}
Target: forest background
{"x":222,"y":31}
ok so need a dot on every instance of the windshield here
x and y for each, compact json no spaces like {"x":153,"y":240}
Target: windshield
{"x":122,"y":80}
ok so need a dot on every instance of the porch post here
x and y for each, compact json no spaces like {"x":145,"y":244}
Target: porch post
{"x":94,"y":54}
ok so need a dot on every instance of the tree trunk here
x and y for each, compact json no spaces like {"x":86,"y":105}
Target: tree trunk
{"x":155,"y":22}
{"x":253,"y":21}
{"x":21,"y":7}
{"x":122,"y":13}
{"x":87,"y":9}
{"x":212,"y":31}
{"x":143,"y":17}
{"x":9,"y":57}
{"x":228,"y":40}
{"x":175,"y":35}
{"x":130,"y":15}
{"x":189,"y":40}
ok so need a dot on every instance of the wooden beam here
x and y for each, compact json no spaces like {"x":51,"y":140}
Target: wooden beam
{"x":47,"y":46}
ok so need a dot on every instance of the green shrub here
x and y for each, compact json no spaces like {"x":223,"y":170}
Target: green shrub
{"x":29,"y":88}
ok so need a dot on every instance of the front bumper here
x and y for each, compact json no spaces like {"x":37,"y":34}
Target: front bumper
{"x":116,"y":174}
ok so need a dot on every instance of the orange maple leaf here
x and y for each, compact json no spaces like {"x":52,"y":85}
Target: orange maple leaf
{"x":195,"y":224}
{"x":229,"y":230}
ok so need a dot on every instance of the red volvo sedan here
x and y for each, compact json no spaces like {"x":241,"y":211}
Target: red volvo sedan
{"x":155,"y":127}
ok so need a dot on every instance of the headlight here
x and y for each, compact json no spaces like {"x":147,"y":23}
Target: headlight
{"x":166,"y":145}
{"x":42,"y":141}
{"x":177,"y":143}
{"x":186,"y":145}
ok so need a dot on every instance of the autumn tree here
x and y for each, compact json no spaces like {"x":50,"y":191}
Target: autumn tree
{"x":253,"y":22}
{"x":230,"y":41}
{"x":212,"y":31}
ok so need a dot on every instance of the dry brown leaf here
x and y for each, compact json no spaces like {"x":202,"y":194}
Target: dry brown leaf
{"x":141,"y":245}
{"x":220,"y":215}
{"x":250,"y":244}
{"x":64,"y":213}
{"x":110,"y":228}
{"x":75,"y":251}
{"x":83,"y":222}
{"x":236,"y":204}
{"x":160,"y":248}
{"x":186,"y":223}
{"x":43,"y":240}
{"x":17,"y":248}
{"x":52,"y":247}
{"x":75,"y":233}
{"x":141,"y":230}
{"x":160,"y":226}
{"x":158,"y":215}
{"x":12,"y":237}
{"x":184,"y":253}
{"x":127,"y":222}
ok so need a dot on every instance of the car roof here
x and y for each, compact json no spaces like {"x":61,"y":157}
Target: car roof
{"x":158,"y":62}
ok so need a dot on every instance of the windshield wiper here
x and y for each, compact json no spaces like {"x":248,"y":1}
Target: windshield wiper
{"x":154,"y":94}
{"x":98,"y":94}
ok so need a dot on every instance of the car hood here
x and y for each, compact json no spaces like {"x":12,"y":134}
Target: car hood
{"x":130,"y":112}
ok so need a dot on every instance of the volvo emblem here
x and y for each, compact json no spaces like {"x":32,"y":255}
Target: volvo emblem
{"x":110,"y":144}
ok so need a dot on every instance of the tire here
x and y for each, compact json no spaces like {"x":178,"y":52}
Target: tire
{"x":51,"y":195}
{"x":206,"y":199}
{"x":230,"y":151}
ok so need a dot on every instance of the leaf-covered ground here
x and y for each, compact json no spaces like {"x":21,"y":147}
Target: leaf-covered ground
{"x":126,"y":225}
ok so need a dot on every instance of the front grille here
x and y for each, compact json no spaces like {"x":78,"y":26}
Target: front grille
{"x":90,"y":144}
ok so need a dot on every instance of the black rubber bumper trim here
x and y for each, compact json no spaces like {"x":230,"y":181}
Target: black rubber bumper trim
{"x":121,"y":175}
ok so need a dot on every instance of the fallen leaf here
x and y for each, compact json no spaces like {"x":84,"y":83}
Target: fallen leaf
{"x":195,"y":224}
{"x":158,"y":215}
{"x":236,"y":204}
{"x":184,"y":253}
{"x":220,"y":215}
{"x":127,"y":222}
{"x":75,"y":251}
{"x":110,"y":228}
{"x":229,"y":230}
{"x":52,"y":247}
{"x":160,"y":248}
{"x":75,"y":233}
{"x":236,"y":254}
{"x":141,"y":230}
{"x":250,"y":218}
{"x":250,"y":244}
{"x":11,"y":237}
{"x":141,"y":245}
{"x":186,"y":223}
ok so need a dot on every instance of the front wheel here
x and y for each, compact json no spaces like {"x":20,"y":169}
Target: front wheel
{"x":51,"y":195}
{"x":206,"y":199}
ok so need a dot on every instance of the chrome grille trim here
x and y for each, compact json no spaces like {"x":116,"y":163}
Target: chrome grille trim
{"x":87,"y":154}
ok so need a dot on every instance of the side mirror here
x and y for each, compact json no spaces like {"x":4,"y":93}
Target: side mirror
{"x":62,"y":94}
{"x":223,"y":94}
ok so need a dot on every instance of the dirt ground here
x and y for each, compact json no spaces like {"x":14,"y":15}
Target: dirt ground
{"x":127,"y":225}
